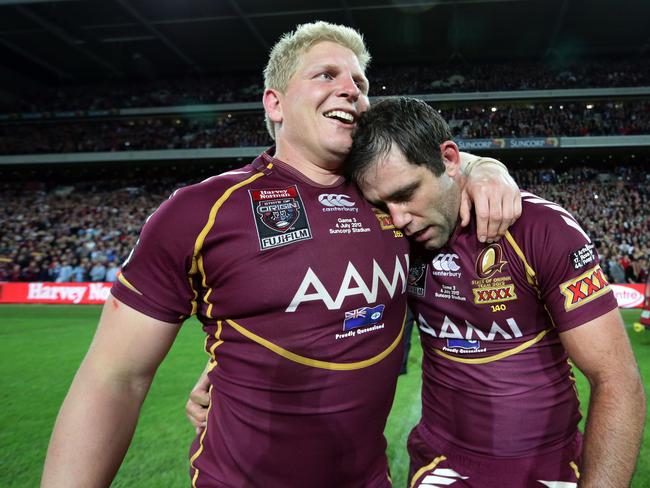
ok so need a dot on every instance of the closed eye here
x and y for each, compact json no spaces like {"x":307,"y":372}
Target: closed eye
{"x":403,"y":195}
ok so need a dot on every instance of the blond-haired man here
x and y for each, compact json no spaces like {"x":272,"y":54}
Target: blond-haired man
{"x":299,"y":284}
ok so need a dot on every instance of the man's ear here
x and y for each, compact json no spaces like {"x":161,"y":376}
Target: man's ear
{"x":272,"y":101}
{"x":450,"y":158}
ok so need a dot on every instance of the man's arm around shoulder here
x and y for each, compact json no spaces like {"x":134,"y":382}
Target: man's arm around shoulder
{"x":98,"y":417}
{"x":601,"y":350}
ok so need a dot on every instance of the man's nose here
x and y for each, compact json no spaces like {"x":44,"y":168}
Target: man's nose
{"x":401,"y":217}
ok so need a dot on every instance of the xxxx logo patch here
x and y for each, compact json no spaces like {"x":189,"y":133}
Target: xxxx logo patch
{"x":495,"y":294}
{"x":585,"y":288}
{"x":384,"y":219}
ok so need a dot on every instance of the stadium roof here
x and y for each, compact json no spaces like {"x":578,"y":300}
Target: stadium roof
{"x":47,"y":42}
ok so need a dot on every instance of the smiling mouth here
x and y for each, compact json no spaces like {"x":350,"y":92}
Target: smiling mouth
{"x":341,"y":116}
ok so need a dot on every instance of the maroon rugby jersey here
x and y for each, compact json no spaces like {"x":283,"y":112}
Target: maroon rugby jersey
{"x":496,"y":380}
{"x":301,"y":289}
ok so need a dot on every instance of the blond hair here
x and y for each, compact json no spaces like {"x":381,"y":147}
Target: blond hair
{"x":285,"y":55}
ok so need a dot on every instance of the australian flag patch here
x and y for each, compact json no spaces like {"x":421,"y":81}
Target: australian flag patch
{"x":362,"y":317}
{"x":463,"y":344}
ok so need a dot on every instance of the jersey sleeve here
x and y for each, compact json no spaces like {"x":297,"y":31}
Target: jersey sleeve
{"x":155,"y":278}
{"x":565,"y":262}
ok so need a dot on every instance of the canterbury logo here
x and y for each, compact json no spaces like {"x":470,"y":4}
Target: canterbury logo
{"x":445,"y":262}
{"x":334,"y":200}
{"x":441,"y":477}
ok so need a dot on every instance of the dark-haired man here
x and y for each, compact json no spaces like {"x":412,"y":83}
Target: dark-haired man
{"x":498,"y":323}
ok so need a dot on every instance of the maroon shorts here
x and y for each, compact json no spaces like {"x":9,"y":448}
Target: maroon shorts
{"x":435,"y":463}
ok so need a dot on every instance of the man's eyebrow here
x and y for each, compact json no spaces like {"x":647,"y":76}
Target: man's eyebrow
{"x":402,"y":193}
{"x":320,"y":67}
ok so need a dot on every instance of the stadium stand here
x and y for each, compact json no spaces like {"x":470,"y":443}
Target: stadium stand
{"x":387,"y":80}
{"x":62,"y":227}
{"x":475,"y":121}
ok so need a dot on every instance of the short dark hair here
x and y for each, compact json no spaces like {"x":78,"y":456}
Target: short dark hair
{"x":415,"y":127}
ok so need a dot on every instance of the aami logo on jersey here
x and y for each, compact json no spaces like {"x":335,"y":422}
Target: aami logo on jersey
{"x":463,"y":344}
{"x":445,"y":265}
{"x":279,"y":216}
{"x":585,"y":288}
{"x":333,"y":202}
{"x":490,"y":261}
{"x":464,"y":337}
{"x":417,"y":280}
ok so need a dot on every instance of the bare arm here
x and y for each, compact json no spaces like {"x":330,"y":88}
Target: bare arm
{"x":98,"y":417}
{"x":601,"y":350}
{"x":196,"y":407}
{"x":495,"y":196}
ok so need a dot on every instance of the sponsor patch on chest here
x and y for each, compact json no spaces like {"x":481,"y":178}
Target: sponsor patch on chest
{"x":494,"y":284}
{"x":280,"y":217}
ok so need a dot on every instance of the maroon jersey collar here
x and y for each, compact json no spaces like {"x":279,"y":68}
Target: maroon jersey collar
{"x":266,"y":158}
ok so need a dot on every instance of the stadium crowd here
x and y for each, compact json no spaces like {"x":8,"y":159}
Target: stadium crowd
{"x":84,"y":228}
{"x":476,"y":121}
{"x":456,"y":76}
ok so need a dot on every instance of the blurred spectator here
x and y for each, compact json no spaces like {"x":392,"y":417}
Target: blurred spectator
{"x":98,"y":271}
{"x":111,"y":272}
{"x":65,"y":273}
{"x":80,"y":271}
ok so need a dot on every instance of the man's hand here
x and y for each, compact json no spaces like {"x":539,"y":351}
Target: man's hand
{"x":495,"y":196}
{"x":196,"y":407}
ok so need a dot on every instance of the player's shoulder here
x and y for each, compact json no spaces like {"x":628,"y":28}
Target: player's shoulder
{"x":538,"y":212}
{"x":546,"y":223}
{"x":204,"y":194}
{"x":188,"y":207}
{"x":215,"y":185}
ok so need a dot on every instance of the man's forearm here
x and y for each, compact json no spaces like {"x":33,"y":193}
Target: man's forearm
{"x":613,"y":433}
{"x":93,"y":431}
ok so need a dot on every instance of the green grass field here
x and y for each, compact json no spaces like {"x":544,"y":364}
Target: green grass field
{"x":42,"y":346}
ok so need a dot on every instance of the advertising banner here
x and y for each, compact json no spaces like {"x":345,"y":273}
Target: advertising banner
{"x":59,"y":293}
{"x":628,"y":296}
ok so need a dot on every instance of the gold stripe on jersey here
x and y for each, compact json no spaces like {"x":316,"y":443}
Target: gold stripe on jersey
{"x":193,"y":301}
{"x":197,"y":258}
{"x":488,"y":359}
{"x":126,"y":283}
{"x":423,"y":469}
{"x":219,"y":340}
{"x":317,"y":363}
{"x":212,"y":361}
{"x":199,"y":451}
{"x":205,"y":285}
{"x":531,"y":276}
{"x":575,"y":469}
